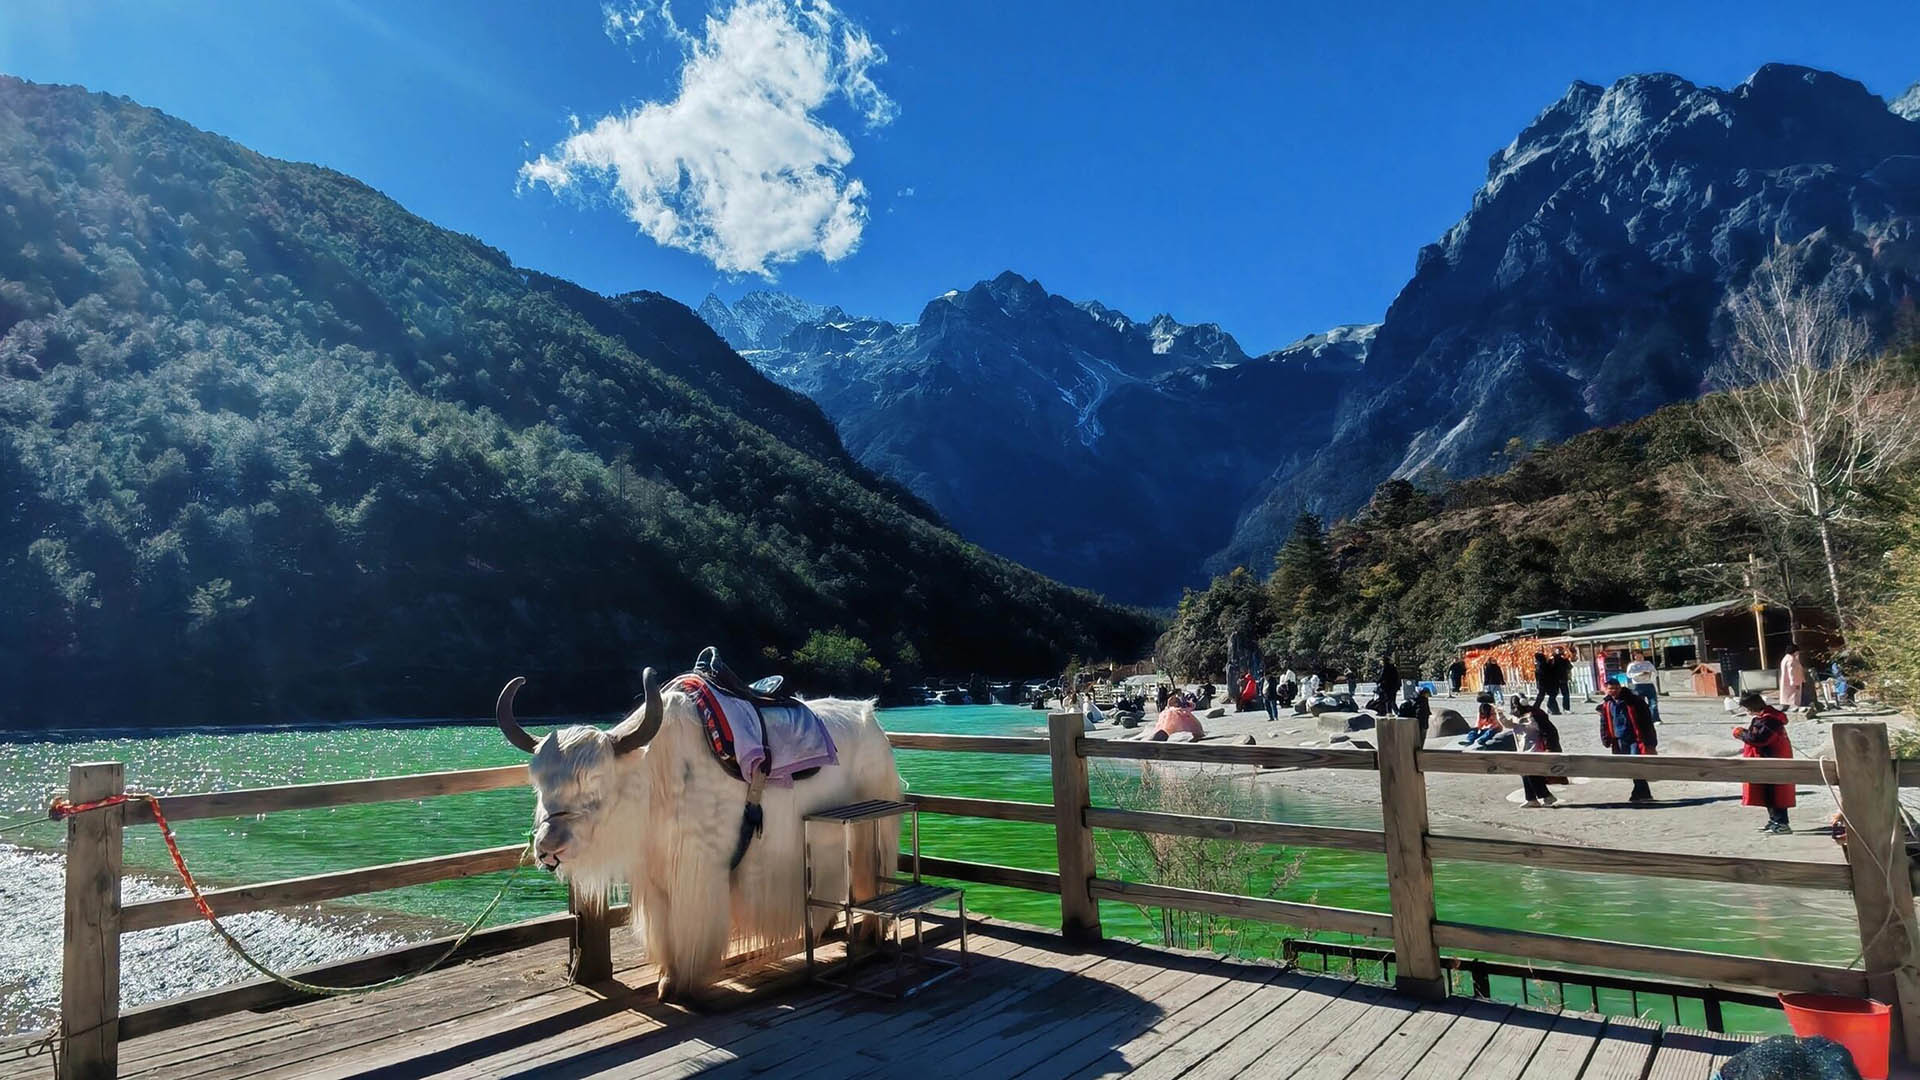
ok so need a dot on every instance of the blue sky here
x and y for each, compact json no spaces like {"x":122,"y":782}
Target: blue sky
{"x":1271,"y":167}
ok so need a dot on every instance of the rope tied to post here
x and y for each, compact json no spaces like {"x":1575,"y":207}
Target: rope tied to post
{"x":62,"y":808}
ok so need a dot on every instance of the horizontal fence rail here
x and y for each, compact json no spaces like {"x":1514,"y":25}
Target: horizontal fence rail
{"x":1729,"y":868}
{"x":317,"y":887}
{"x":265,"y":993}
{"x":1012,"y":877}
{"x":1480,"y":973}
{"x":250,"y":801}
{"x":1626,"y":766}
{"x":973,"y":744}
{"x":1907,"y":772}
{"x":1253,"y":832}
{"x":1272,"y":757}
{"x":1372,"y":924}
{"x":996,"y":809}
{"x":1877,"y":874}
{"x":1679,"y":963}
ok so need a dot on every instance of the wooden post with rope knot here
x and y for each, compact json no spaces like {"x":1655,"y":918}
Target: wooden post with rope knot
{"x":90,"y":963}
{"x":1876,"y":844}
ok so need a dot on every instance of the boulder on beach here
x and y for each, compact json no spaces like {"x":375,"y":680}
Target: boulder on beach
{"x":1450,"y":722}
{"x":1346,"y":721}
{"x":1216,"y":712}
{"x":1324,"y":703}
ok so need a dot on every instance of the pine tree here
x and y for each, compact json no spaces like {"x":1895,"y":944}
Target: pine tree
{"x":1303,"y":576}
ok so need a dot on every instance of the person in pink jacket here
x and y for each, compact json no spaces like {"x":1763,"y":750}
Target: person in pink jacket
{"x":1175,"y":718}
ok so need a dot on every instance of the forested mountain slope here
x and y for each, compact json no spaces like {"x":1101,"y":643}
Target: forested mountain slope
{"x":271,"y":447}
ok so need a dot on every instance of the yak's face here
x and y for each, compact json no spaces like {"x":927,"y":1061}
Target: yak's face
{"x":576,"y":777}
{"x":573,"y":781}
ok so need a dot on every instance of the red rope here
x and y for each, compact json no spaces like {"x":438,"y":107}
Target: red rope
{"x":62,"y":808}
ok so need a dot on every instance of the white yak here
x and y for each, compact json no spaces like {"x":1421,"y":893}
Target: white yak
{"x":647,"y":802}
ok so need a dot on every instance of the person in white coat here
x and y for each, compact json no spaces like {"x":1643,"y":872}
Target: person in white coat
{"x":1793,"y":678}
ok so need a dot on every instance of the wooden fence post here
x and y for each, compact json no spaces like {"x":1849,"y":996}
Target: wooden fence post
{"x":590,"y":958}
{"x":90,"y":965}
{"x":1882,"y":891}
{"x":1403,"y":810}
{"x":1079,"y":912}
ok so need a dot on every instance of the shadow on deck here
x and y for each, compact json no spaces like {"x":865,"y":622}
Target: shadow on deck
{"x":1029,"y":1007}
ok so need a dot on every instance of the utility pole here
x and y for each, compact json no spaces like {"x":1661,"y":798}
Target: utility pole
{"x":1759,"y":620}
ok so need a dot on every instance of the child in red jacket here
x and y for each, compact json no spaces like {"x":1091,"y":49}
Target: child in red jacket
{"x":1766,"y":736}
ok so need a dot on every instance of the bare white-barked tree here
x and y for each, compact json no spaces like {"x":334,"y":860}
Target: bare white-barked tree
{"x":1812,"y":413}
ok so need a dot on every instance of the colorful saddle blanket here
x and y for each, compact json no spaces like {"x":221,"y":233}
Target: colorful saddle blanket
{"x":783,"y":742}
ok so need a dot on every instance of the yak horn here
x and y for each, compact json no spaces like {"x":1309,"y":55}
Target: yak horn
{"x":503,"y":715}
{"x":649,"y":719}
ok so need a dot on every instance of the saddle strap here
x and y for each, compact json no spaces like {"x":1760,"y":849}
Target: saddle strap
{"x":752,"y":820}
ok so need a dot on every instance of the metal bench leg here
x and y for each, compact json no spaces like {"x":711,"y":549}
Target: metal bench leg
{"x":806,"y":895}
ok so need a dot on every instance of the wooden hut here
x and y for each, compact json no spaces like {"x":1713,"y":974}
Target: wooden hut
{"x":1721,"y":636}
{"x":1539,"y":632}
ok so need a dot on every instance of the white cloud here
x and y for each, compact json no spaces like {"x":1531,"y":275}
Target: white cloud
{"x":739,"y":167}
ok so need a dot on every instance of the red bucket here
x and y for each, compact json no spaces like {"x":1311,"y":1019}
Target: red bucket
{"x":1863,"y":1026}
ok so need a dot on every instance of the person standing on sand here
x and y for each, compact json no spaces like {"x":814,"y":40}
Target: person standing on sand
{"x":1766,"y":736}
{"x":1627,"y":728}
{"x":1493,"y":680}
{"x":1793,"y":678}
{"x":1456,"y":677}
{"x":1537,"y":735}
{"x":1542,"y":677}
{"x":1562,"y":677}
{"x":1641,"y":671}
{"x":1353,"y":682}
{"x":1273,"y":696}
{"x":1388,"y":682}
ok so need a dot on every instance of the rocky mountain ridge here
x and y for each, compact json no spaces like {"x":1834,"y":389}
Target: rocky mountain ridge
{"x":1067,"y":435}
{"x":1586,"y":285}
{"x":1583,"y":287}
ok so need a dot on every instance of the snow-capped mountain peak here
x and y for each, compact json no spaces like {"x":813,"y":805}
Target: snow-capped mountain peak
{"x":759,"y":319}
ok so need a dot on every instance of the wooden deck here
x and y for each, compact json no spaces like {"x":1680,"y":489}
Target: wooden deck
{"x":1030,"y":1006}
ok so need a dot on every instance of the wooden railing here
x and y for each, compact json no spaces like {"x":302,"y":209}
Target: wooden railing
{"x":1877,"y":875}
{"x":92,"y":1025}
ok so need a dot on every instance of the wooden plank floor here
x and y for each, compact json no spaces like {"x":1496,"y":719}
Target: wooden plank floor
{"x":1029,"y":1007}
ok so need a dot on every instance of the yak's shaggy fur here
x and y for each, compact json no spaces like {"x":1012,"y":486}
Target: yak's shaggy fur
{"x":666,"y":818}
